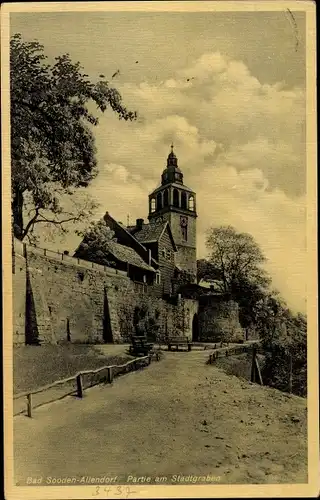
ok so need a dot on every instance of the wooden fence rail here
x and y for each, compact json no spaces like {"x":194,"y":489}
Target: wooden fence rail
{"x":82,"y":380}
{"x":254,"y":348}
{"x":232,"y":351}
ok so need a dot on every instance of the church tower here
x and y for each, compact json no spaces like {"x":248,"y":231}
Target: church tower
{"x":176,"y":203}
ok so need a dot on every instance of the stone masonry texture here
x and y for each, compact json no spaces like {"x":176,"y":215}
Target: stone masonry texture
{"x":58,"y":298}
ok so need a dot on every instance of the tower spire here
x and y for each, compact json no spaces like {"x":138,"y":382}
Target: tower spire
{"x":172,"y":173}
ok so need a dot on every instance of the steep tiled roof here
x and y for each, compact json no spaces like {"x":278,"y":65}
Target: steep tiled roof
{"x":127,"y":254}
{"x":125,"y":236}
{"x":150,"y":232}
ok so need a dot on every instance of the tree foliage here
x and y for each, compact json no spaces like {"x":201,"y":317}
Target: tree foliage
{"x":234,"y":256}
{"x":146,"y":322}
{"x":94,"y":246}
{"x":183,"y":277}
{"x":207,"y":271}
{"x":52,"y":145}
{"x":284,"y":340}
{"x":235,"y":266}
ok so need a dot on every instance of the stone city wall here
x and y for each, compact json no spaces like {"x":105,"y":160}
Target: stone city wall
{"x":60,"y":298}
{"x":219,"y":319}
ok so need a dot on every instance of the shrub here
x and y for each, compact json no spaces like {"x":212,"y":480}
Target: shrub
{"x":286,"y":354}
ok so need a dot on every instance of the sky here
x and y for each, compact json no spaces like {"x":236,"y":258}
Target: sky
{"x":228,"y":89}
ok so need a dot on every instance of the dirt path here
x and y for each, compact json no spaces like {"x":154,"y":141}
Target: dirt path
{"x":178,"y":416}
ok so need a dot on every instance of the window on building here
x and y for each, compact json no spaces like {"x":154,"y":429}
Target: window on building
{"x":159,"y":201}
{"x":158,"y":278}
{"x":175,"y":198}
{"x":191,"y":203}
{"x":184,"y":231}
{"x":166,"y":198}
{"x":153,"y":205}
{"x":164,"y":252}
{"x":183,"y":200}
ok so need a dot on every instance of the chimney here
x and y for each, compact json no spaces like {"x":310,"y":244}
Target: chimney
{"x":139,"y":224}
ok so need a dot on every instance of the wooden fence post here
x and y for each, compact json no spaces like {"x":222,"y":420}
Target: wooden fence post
{"x":29,"y":405}
{"x":258,"y":372}
{"x":79,"y":386}
{"x":290,"y":373}
{"x":253,"y":367}
{"x":110,"y":374}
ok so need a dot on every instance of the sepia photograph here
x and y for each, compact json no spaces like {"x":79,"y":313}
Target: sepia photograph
{"x":159,"y":236}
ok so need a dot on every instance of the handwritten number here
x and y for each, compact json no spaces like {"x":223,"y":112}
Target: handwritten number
{"x":128,"y":491}
{"x":119,"y":491}
{"x":97,"y":491}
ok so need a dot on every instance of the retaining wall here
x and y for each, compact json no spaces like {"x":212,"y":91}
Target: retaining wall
{"x":61,"y":298}
{"x":219,"y":319}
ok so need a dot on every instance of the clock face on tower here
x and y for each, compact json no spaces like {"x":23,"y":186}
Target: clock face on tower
{"x":184,"y":227}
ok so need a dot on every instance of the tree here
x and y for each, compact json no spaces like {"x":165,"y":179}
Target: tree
{"x":207,"y":271}
{"x":183,"y":277}
{"x":235,"y":265}
{"x":146,"y":322}
{"x":234,"y":256}
{"x":249,"y":293}
{"x":283,"y":337}
{"x":52,"y":143}
{"x":94,"y":246}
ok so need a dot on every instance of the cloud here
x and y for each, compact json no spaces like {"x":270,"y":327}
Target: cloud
{"x":240,"y":144}
{"x":277,"y":222}
{"x":230,"y":106}
{"x":228,"y":196}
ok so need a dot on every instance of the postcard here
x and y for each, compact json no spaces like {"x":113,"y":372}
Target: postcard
{"x":159,"y":249}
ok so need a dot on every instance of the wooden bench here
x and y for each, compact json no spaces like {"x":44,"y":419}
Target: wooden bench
{"x":140,"y":345}
{"x":179,"y":342}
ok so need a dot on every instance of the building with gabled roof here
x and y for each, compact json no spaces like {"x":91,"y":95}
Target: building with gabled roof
{"x":93,"y":295}
{"x":157,"y":238}
{"x":167,"y":243}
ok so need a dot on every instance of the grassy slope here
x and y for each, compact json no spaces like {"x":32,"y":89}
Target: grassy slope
{"x":239,"y":366}
{"x":36,"y":366}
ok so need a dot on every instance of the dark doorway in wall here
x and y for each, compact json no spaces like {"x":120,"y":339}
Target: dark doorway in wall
{"x":195,"y":328}
{"x":107,"y":330}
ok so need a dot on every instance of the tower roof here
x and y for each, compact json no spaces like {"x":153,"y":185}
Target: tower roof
{"x":172,"y":160}
{"x":172,"y":173}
